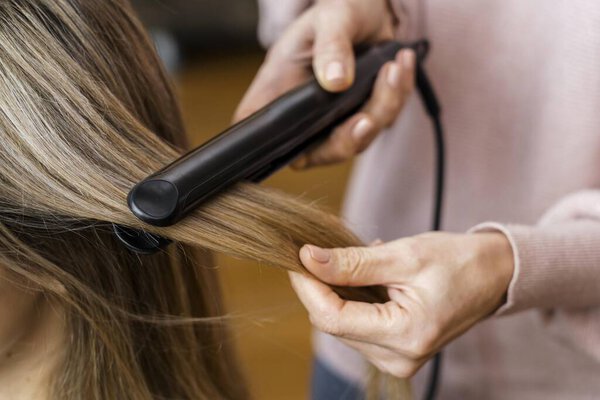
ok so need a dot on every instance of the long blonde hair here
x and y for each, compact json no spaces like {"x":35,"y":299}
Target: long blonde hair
{"x":85,"y":112}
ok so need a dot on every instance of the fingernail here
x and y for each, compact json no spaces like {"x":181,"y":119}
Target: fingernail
{"x":335,"y":72}
{"x":319,"y":255}
{"x":393,"y":76}
{"x":362,"y":128}
{"x":408,"y":58}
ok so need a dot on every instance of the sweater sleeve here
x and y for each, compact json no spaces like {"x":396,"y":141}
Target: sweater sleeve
{"x":276,"y":16}
{"x":557,"y":268}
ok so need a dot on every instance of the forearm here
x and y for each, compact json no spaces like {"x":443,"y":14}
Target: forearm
{"x":557,"y":262}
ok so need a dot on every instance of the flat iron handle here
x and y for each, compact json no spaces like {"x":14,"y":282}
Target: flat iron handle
{"x":259,"y":145}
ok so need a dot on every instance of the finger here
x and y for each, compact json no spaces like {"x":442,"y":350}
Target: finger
{"x":271,"y":81}
{"x":386,"y":360}
{"x":352,"y":266}
{"x":284,"y":68}
{"x":392,"y":88}
{"x":349,"y":319}
{"x":358,"y":133}
{"x":376,"y":355}
{"x":381,"y":351}
{"x":409,"y":62}
{"x":372,"y":351}
{"x":333,"y":61}
{"x":349,"y":139}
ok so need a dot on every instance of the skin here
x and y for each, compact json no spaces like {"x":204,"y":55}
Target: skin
{"x":439,"y":284}
{"x":31,"y":340}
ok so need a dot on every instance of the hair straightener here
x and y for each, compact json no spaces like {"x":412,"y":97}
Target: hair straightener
{"x":258,"y":146}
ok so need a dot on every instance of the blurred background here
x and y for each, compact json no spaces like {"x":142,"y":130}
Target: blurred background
{"x":211,"y":48}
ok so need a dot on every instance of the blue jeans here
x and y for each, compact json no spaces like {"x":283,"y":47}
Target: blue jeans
{"x":327,"y":385}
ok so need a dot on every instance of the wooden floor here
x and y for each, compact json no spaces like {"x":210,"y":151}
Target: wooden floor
{"x":272,"y":331}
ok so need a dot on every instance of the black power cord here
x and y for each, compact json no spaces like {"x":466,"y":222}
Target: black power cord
{"x":433,"y":109}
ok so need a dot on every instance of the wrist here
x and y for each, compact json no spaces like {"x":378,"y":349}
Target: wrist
{"x":495,"y":251}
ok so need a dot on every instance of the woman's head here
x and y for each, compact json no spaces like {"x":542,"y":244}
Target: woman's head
{"x":85,"y":112}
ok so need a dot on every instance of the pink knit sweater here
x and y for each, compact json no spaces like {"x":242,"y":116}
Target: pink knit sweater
{"x":519,"y":83}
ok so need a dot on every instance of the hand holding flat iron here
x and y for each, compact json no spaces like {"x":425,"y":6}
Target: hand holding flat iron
{"x":323,"y":37}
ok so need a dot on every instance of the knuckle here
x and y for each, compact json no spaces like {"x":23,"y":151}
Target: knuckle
{"x":335,"y":149}
{"x":389,"y":317}
{"x":385,"y":109}
{"x":353,"y":17}
{"x":343,"y":14}
{"x":343,"y":148}
{"x":325,"y":323}
{"x":404,"y":369}
{"x":330,"y":46}
{"x":420,"y":346}
{"x":319,"y":156}
{"x":425,"y":343}
{"x":411,"y":253}
{"x":351,"y":261}
{"x":329,"y":155}
{"x":390,"y":112}
{"x":276,"y":53}
{"x":391,"y":106}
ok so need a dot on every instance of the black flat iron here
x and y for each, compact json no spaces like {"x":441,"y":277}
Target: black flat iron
{"x":256,"y":147}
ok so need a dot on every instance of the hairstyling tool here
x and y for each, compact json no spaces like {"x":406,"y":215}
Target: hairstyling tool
{"x":256,"y":147}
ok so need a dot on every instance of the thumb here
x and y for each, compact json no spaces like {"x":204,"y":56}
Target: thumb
{"x":333,"y":58}
{"x":352,"y":266}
